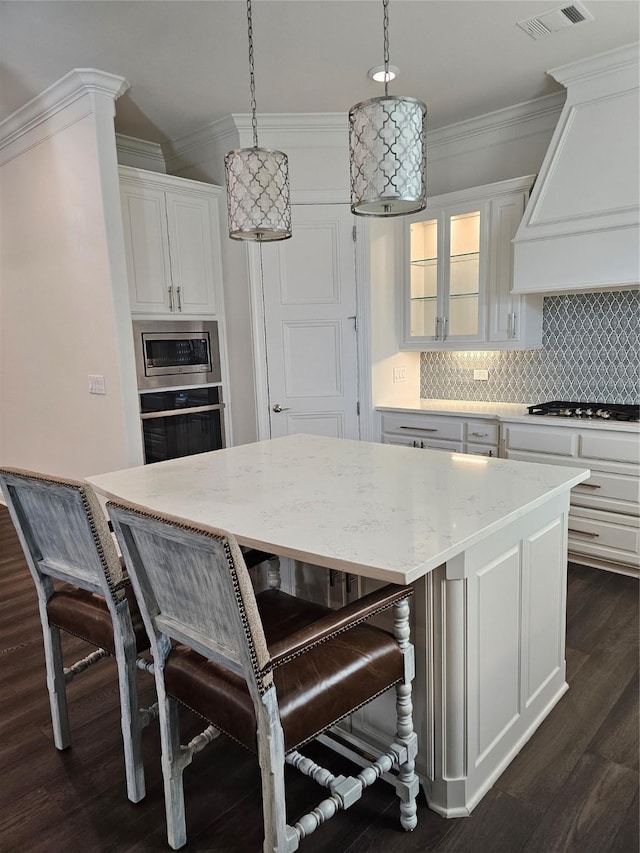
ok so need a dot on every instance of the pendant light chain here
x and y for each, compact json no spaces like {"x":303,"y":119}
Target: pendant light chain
{"x":252,"y":81}
{"x":385,"y":26}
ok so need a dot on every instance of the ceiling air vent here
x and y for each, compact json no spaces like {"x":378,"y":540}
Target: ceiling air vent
{"x":554,"y":20}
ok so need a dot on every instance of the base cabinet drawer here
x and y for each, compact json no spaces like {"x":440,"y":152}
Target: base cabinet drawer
{"x":423,"y":443}
{"x":423,"y":426}
{"x":604,"y":485}
{"x":481,"y":449}
{"x":604,"y":522}
{"x":617,"y":448}
{"x":559,"y":442}
{"x":479,"y":432}
{"x":607,"y":536}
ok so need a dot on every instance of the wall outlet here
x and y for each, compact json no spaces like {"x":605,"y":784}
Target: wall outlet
{"x":96,"y":384}
{"x":399,"y":374}
{"x":481,"y":375}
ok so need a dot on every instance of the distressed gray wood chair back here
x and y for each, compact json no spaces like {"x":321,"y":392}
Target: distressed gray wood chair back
{"x":63,"y":531}
{"x":272,"y":671}
{"x":195,"y":589}
{"x":65,"y":538}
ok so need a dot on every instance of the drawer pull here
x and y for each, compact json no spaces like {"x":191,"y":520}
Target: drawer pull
{"x":480,"y":434}
{"x":589,"y":485}
{"x":419,"y":429}
{"x":585,"y":533}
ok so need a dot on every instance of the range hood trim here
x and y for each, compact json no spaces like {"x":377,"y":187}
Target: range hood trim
{"x":584,"y":249}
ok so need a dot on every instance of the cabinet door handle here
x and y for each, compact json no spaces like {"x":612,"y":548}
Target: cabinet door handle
{"x":171,"y":299}
{"x":438,"y":320}
{"x":445,"y":328}
{"x":419,"y":429}
{"x":589,"y":485}
{"x":480,"y":434}
{"x":512,"y":324}
{"x":584,"y":533}
{"x":179,"y":299}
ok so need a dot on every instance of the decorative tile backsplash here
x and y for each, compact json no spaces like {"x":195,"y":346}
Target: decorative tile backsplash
{"x":590,"y":353}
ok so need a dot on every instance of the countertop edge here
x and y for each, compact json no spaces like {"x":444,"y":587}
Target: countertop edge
{"x":464,"y":408}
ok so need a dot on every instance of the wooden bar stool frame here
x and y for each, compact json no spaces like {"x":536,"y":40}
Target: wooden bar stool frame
{"x":194,"y":590}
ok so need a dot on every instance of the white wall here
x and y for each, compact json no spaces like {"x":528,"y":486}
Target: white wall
{"x":63,"y":299}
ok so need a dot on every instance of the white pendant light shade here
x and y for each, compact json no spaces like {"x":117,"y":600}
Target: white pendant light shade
{"x":258,"y":201}
{"x":388,"y":156}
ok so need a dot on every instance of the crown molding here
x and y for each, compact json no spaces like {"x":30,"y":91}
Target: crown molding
{"x":331,"y":130}
{"x":621,"y":59}
{"x":236,"y":131}
{"x":57,"y":97}
{"x":509,"y":123}
{"x":140,"y":153}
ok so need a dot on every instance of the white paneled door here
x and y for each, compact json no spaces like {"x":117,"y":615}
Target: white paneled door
{"x":310,"y":321}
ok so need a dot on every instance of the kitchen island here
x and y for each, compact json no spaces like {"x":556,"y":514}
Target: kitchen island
{"x":483,"y":541}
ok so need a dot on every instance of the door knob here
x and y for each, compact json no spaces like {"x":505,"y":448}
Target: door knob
{"x":278,"y":408}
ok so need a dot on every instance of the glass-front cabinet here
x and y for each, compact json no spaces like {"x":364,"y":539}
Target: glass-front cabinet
{"x":446,"y":275}
{"x":457,"y":273}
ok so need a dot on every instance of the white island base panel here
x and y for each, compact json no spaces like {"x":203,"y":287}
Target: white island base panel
{"x":489,"y":631}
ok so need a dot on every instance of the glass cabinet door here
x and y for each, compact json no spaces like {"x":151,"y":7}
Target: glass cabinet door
{"x":424,"y":306}
{"x":463,"y":297}
{"x":446,"y":275}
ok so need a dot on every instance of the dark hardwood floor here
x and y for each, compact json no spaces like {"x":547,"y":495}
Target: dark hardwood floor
{"x":574,"y":787}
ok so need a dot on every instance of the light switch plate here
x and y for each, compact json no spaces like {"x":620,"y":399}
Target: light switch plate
{"x":96,"y":384}
{"x":481,"y":375}
{"x":399,"y":374}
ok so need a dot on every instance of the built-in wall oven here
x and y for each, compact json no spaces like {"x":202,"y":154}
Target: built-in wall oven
{"x":179,"y":421}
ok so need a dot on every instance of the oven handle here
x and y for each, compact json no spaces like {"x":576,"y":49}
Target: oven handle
{"x":170,"y":413}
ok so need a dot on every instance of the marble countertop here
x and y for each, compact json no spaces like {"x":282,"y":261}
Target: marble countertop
{"x":457,"y":407}
{"x":512,"y":412}
{"x":372,"y":509}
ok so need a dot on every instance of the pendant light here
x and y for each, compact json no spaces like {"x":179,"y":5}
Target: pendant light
{"x":257,"y":181}
{"x":387,"y":150}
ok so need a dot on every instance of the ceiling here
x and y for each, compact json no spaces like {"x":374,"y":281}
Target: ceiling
{"x":187,"y":61}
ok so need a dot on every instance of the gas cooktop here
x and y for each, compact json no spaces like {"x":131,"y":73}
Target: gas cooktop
{"x":588,"y":411}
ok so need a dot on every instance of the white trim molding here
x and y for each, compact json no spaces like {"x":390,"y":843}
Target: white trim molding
{"x":139,"y":153}
{"x":53,"y":100}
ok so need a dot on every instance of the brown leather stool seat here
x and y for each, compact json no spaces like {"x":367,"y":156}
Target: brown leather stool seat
{"x":86,"y":615}
{"x":314,"y":691}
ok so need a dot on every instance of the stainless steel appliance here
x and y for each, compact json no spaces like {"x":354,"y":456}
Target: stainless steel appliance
{"x":176,"y":353}
{"x":588,"y":411}
{"x":181,"y":422}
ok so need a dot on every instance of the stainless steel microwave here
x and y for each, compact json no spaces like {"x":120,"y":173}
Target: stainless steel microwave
{"x":176,"y":353}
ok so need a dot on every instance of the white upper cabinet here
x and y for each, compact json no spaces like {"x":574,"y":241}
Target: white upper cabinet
{"x":456,"y":265}
{"x":581,"y":228}
{"x":172,"y":243}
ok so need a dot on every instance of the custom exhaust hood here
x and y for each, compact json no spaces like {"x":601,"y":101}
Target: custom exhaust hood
{"x":581,"y":227}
